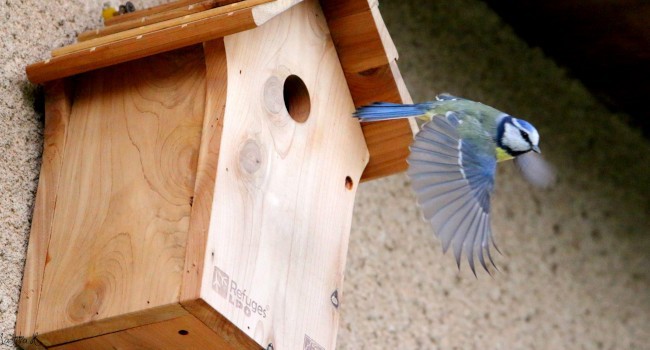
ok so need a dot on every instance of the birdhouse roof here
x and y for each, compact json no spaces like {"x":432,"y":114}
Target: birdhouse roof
{"x":366,"y":52}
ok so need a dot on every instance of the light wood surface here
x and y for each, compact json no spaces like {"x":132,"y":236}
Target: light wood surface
{"x":149,"y":11}
{"x":281,"y":212}
{"x":265,"y":12}
{"x":220,"y":325}
{"x":388,"y":141}
{"x":215,"y":104}
{"x":185,"y":332}
{"x":154,"y":27}
{"x":119,"y":229}
{"x":112,"y":324}
{"x":58,"y":102}
{"x":361,"y":37}
{"x":141,"y":46}
{"x":154,"y":18}
{"x":186,"y":169}
{"x":368,"y":57}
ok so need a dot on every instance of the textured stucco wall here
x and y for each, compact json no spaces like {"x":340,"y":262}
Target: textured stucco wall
{"x":574,"y":273}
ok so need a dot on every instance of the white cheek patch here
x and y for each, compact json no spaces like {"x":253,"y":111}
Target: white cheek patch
{"x":534,"y":137}
{"x":513,"y":140}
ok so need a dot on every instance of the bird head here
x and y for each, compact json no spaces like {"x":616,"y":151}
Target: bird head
{"x":517,"y":136}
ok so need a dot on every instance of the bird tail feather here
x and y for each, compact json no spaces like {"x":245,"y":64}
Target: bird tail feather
{"x":388,"y":111}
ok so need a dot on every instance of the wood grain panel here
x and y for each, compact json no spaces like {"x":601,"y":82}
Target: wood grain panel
{"x":220,"y":325}
{"x":387,"y":141}
{"x":154,"y":27}
{"x":361,"y":38}
{"x":120,"y":225}
{"x":112,"y":324}
{"x":154,"y":18}
{"x":58,"y":104}
{"x":215,"y":106}
{"x":368,"y":57}
{"x":149,"y":11}
{"x":184,"y":332}
{"x":282,"y":207}
{"x":140,"y":46}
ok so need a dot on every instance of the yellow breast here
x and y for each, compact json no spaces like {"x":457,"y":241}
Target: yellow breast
{"x":502,"y":155}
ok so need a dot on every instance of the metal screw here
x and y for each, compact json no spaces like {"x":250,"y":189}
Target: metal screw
{"x":335,"y":299}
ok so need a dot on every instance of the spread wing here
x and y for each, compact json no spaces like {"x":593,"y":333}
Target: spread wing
{"x":452,"y":179}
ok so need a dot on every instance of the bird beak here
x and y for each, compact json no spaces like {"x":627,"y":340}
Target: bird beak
{"x":537,"y":150}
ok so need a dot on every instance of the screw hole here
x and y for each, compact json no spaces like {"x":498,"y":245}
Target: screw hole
{"x":349,"y":183}
{"x":183,"y":332}
{"x":296,"y":98}
{"x":334,"y":298}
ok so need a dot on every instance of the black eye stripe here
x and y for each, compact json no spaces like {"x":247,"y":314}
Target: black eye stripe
{"x":525,"y":136}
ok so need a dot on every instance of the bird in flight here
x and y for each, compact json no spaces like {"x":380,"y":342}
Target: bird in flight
{"x":452,"y":166}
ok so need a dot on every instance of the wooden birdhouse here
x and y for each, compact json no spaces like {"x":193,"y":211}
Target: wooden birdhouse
{"x":199,"y":170}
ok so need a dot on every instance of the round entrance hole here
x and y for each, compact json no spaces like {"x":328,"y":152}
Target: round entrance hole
{"x":296,"y":98}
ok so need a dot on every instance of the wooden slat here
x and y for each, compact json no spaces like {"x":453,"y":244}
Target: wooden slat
{"x":154,"y":27}
{"x":154,"y":18}
{"x":368,"y":57}
{"x":149,"y":11}
{"x":387,"y":141}
{"x":284,"y":193}
{"x":343,"y":8}
{"x":361,"y":38}
{"x":220,"y":325}
{"x":265,"y":12}
{"x":185,"y":332}
{"x":112,"y":324}
{"x":377,"y":84}
{"x":119,"y":229}
{"x":58,"y":102}
{"x":133,"y":48}
{"x":215,"y":105}
{"x":388,"y":144}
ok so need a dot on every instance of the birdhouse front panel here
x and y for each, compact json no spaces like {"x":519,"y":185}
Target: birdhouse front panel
{"x":289,"y":163}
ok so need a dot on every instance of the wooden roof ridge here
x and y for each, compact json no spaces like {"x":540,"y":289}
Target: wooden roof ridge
{"x":366,"y":51}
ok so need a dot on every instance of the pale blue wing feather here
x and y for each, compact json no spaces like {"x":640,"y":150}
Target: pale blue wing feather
{"x":453,"y":180}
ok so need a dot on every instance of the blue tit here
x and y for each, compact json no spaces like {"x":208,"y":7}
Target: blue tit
{"x":452,"y":166}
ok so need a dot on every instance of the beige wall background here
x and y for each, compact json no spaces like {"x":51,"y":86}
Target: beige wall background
{"x":575,"y":269}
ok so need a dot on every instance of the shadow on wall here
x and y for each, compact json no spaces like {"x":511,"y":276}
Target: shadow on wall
{"x":605,"y":43}
{"x":574,"y":271}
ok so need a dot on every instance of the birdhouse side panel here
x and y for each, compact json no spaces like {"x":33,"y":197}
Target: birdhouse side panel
{"x":120,"y":225}
{"x":58,"y":103}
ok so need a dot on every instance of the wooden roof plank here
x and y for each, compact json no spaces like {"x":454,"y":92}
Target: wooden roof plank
{"x":154,"y":18}
{"x":148,"y":11}
{"x":144,"y":45}
{"x":368,"y":56}
{"x":366,"y":52}
{"x":131,"y":33}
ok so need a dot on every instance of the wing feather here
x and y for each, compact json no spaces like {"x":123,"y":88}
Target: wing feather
{"x":450,"y":225}
{"x":452,"y":178}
